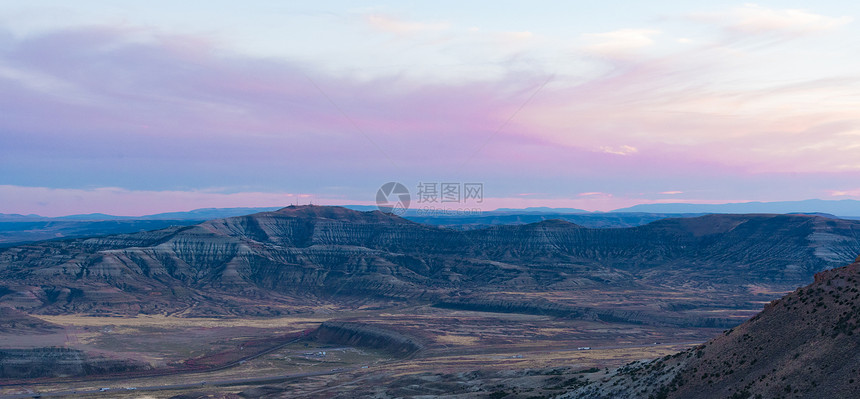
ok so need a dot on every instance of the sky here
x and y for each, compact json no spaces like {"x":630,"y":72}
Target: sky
{"x":131,"y":108}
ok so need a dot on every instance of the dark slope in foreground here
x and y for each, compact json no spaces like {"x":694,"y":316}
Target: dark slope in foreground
{"x":236,"y":265}
{"x":805,"y":345}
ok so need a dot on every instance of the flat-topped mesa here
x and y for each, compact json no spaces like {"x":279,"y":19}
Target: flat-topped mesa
{"x":308,"y":225}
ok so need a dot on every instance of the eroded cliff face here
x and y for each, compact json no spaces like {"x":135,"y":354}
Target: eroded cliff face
{"x":301,"y":253}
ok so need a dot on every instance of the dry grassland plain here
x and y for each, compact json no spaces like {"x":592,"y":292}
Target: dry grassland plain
{"x":453,"y":341}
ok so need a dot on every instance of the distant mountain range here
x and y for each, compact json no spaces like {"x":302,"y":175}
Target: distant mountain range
{"x":16,"y":229}
{"x":215,"y":213}
{"x":539,"y":209}
{"x":196,"y":214}
{"x":842,"y":208}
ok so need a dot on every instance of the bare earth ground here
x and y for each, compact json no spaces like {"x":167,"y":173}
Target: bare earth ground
{"x":455,"y":343}
{"x":469,"y":351}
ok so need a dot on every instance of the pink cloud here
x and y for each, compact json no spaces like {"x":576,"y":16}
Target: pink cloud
{"x":652,"y":111}
{"x":619,"y":44}
{"x":756,"y":19}
{"x":388,"y":23}
{"x":845,"y":193}
{"x":161,"y":91}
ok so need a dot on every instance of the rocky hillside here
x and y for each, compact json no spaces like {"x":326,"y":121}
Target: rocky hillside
{"x":304,"y":253}
{"x":804,"y":345}
{"x":367,"y":335}
{"x":12,"y":320}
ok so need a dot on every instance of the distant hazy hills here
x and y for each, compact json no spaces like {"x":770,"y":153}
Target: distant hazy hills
{"x":196,"y":214}
{"x":16,"y":229}
{"x":845,"y":207}
{"x":539,"y":209}
{"x":839,"y":208}
{"x":19,"y":232}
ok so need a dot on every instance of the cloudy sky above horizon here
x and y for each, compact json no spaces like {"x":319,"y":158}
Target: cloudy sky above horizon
{"x":133,"y":108}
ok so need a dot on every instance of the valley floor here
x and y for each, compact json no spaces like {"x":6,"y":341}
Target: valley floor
{"x":460,"y":351}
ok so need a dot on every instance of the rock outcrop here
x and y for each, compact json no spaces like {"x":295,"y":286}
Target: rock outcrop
{"x":804,"y":345}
